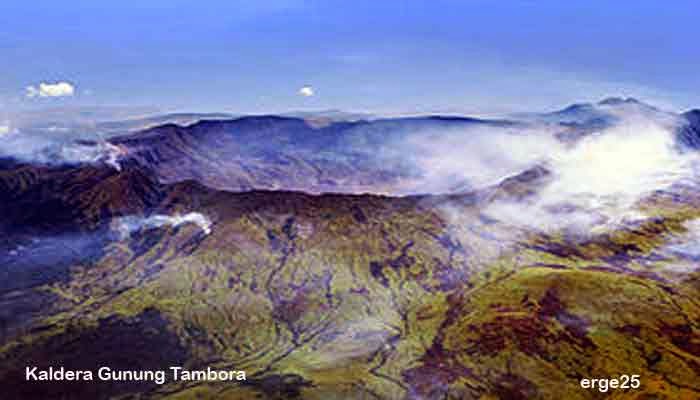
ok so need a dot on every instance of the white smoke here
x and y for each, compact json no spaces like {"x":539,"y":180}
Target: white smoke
{"x":125,"y":226}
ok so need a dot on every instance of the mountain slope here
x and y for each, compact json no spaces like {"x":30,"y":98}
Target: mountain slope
{"x":347,"y":296}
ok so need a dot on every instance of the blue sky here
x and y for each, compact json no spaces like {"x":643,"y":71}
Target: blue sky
{"x":377,"y":56}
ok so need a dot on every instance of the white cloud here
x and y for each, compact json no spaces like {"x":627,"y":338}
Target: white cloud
{"x":306,"y":91}
{"x":594,"y":183}
{"x":630,"y":159}
{"x":598,"y":181}
{"x":45,"y":89}
{"x":4,"y":129}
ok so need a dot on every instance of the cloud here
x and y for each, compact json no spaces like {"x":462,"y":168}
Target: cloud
{"x":632,"y":158}
{"x":44,"y":89}
{"x":126,"y":225}
{"x":306,"y":91}
{"x":4,"y":129}
{"x":595,"y":182}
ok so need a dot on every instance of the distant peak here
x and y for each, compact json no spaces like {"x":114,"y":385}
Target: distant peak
{"x":613,"y":101}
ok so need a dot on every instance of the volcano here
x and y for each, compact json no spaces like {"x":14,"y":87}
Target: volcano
{"x":312,"y":258}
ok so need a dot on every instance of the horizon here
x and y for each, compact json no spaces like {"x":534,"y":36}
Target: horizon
{"x":137,"y":113}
